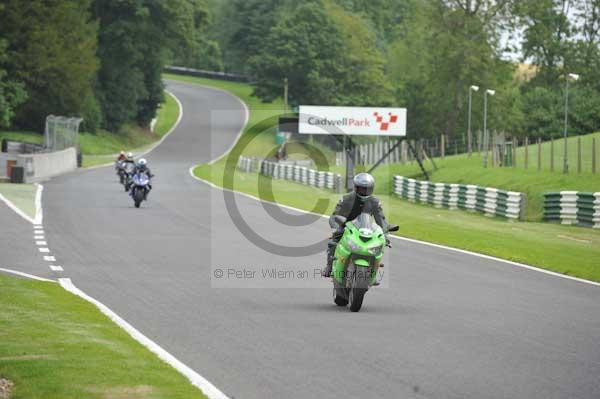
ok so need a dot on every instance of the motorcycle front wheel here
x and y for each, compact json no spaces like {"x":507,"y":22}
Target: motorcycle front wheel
{"x":339,"y":297}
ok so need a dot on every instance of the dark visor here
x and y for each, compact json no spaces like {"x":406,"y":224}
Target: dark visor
{"x":364,"y":191}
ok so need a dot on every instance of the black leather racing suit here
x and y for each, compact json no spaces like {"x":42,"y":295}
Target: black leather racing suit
{"x":350,"y":207}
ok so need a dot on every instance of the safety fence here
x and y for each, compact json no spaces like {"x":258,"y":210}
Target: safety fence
{"x":573,"y":207}
{"x":292,"y":172}
{"x":532,"y":153}
{"x":490,"y":201}
{"x":205,"y":74}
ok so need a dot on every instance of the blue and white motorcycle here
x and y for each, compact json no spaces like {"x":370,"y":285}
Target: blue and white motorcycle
{"x":140,"y":187}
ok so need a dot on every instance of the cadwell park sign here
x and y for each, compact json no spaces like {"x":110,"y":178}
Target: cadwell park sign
{"x":364,"y":121}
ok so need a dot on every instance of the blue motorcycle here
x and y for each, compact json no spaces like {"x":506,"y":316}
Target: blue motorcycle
{"x":140,"y":187}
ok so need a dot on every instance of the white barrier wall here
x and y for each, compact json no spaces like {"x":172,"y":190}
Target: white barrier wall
{"x":42,"y":166}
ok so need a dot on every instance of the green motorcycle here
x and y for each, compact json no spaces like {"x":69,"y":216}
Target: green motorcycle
{"x":358,"y":257}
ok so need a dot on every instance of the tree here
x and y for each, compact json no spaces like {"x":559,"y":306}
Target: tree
{"x":446,"y":47}
{"x":12,"y":93}
{"x":241,"y":26}
{"x":547,"y":30}
{"x":133,"y":44}
{"x":197,"y":50}
{"x":51,"y":50}
{"x":327,"y":55}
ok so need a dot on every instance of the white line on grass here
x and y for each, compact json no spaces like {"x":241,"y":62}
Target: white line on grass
{"x":521,"y":265}
{"x":31,"y":276}
{"x":196,"y":379}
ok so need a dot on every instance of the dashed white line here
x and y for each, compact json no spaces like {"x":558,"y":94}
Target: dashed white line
{"x":38,"y":232}
{"x":56,"y":268}
{"x":44,"y":250}
{"x":41,"y":243}
{"x":39,"y":237}
{"x":49,"y":258}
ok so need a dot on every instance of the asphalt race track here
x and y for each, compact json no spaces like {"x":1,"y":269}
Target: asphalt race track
{"x":450,"y":325}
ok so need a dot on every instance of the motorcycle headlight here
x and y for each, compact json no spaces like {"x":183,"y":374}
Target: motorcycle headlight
{"x":375,"y":250}
{"x":353,"y":246}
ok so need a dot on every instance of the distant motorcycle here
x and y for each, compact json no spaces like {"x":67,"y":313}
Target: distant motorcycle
{"x":140,"y":188}
{"x":120,"y":168}
{"x":129,"y":169}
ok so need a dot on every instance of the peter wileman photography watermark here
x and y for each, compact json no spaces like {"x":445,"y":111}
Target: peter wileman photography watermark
{"x":285,"y":241}
{"x":278,"y":276}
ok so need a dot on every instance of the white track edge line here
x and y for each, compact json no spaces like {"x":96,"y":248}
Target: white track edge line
{"x":463,"y":251}
{"x":16,"y":209}
{"x":31,"y":276}
{"x":196,"y":379}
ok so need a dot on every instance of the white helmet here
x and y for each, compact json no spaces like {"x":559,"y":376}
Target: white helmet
{"x":129,"y":155}
{"x":142,"y":162}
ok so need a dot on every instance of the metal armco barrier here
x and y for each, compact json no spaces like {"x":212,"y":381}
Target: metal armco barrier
{"x":573,"y":207}
{"x":295,"y":173}
{"x":490,"y":201}
{"x":206,"y":74}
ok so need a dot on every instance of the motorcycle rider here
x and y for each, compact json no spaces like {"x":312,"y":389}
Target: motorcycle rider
{"x":142,"y":167}
{"x":129,"y":159}
{"x":121,"y":156}
{"x":361,"y":200}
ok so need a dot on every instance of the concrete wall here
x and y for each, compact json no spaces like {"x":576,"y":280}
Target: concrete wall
{"x":42,"y":166}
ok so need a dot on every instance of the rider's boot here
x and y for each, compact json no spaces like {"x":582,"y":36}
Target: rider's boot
{"x":327,"y":271}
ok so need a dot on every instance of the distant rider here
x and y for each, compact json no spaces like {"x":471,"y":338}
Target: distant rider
{"x":121,"y":156}
{"x":129,"y":159}
{"x":361,"y":200}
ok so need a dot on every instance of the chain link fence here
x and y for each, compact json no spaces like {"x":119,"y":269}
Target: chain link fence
{"x":61,"y":132}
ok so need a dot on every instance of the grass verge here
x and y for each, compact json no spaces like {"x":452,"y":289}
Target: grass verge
{"x":56,"y":345}
{"x":569,"y":250}
{"x":21,"y":195}
{"x":464,"y":170}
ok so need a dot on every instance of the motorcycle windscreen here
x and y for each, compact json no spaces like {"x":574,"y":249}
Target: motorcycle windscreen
{"x":365,"y":223}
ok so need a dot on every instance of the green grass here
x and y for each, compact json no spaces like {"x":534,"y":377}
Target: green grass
{"x":101,"y":147}
{"x":570,"y":250}
{"x":464,"y":170}
{"x":259,"y":136}
{"x":558,"y":148}
{"x":30,"y":137}
{"x":56,"y":345}
{"x":21,"y":195}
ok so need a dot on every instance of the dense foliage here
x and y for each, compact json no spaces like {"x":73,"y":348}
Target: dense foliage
{"x":102,"y":59}
{"x":97,"y":59}
{"x":423,"y":55}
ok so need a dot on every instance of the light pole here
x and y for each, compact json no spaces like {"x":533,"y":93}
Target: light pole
{"x":575,"y":77}
{"x":469,"y":135}
{"x":285,"y":95}
{"x":485,"y":134}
